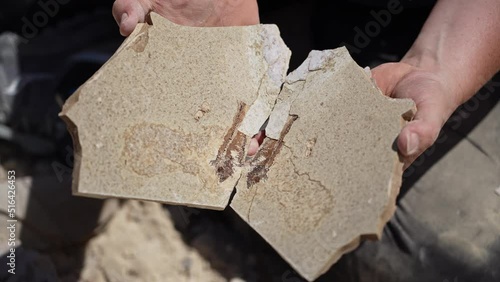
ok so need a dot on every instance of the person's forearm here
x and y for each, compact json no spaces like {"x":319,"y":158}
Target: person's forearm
{"x":461,"y":41}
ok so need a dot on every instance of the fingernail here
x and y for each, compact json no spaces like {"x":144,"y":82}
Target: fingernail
{"x":412,"y":145}
{"x":252,"y":147}
{"x":124,"y":18}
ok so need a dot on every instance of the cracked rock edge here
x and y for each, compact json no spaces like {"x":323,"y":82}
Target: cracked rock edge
{"x":275,"y":58}
{"x":278,"y":126}
{"x":250,"y":119}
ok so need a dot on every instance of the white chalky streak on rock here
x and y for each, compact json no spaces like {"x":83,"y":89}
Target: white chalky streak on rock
{"x":315,"y":61}
{"x":318,"y":59}
{"x":277,"y":56}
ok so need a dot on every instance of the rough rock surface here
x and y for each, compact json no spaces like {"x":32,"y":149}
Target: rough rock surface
{"x":148,"y":125}
{"x":169,"y":117}
{"x":335,"y":176}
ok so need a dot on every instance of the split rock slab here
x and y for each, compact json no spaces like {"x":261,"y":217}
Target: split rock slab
{"x":169,"y":117}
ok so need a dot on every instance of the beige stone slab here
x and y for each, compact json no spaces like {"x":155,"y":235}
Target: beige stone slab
{"x":149,"y":123}
{"x":169,"y":118}
{"x":336,"y":176}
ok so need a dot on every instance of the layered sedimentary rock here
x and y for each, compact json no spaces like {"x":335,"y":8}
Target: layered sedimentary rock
{"x":149,"y":124}
{"x":169,"y":117}
{"x":330,"y":174}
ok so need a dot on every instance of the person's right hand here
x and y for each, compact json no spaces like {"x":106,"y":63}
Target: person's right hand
{"x":128,"y":13}
{"x":434,"y":99}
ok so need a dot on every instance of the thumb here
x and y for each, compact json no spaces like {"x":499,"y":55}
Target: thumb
{"x":419,"y":134}
{"x":127,"y":14}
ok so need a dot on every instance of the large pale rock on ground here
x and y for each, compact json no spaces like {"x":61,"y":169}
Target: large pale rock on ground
{"x":154,"y":250}
{"x":169,"y":119}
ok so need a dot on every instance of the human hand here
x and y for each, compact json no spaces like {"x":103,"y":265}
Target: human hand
{"x":128,"y":13}
{"x":434,"y":97}
{"x":443,"y":68}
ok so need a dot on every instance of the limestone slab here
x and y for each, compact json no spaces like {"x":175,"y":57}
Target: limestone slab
{"x":148,"y":125}
{"x":335,"y":175}
{"x":168,"y":118}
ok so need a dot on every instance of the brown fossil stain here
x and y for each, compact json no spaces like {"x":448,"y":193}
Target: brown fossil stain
{"x":304,"y":193}
{"x":264,"y":158}
{"x":232,"y":150}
